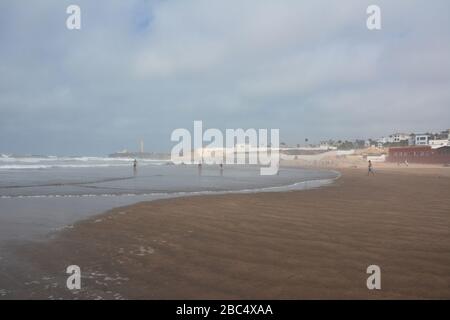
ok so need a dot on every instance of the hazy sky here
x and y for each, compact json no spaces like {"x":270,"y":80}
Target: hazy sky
{"x":140,"y":69}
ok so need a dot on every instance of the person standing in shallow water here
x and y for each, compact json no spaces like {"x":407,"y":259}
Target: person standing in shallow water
{"x":199,"y":169}
{"x":221,"y":169}
{"x":370,"y":168}
{"x":135,"y":166}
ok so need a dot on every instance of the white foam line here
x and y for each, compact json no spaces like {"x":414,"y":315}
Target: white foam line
{"x":53,"y":166}
{"x":290,"y":187}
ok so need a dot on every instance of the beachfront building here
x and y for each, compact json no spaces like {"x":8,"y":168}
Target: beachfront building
{"x":420,"y":154}
{"x":384,"y":140}
{"x":399,"y":137}
{"x":396,"y":138}
{"x":421,"y":139}
{"x":220,"y":155}
{"x":437,"y":143}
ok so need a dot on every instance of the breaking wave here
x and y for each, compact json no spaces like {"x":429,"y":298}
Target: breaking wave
{"x":8,"y":162}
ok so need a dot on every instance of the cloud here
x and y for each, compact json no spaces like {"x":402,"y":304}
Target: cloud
{"x":140,"y":69}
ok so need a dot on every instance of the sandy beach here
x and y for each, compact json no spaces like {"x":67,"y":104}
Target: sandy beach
{"x":292,"y":245}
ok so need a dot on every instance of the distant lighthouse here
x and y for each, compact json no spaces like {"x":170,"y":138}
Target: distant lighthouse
{"x":142,"y":146}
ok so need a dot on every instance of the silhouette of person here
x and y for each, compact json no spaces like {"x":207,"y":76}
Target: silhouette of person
{"x":370,"y":168}
{"x":135,"y":166}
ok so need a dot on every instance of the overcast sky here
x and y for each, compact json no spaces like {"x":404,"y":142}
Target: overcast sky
{"x":140,"y":69}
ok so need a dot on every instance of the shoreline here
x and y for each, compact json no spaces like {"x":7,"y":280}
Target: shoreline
{"x":27,"y":217}
{"x":233,"y":246}
{"x":177,"y":193}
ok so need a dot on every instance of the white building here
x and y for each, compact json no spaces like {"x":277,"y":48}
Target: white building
{"x":399,"y":137}
{"x":439,"y":143}
{"x":219,"y":155}
{"x":383,"y":140}
{"x":381,"y":158}
{"x":421,"y":139}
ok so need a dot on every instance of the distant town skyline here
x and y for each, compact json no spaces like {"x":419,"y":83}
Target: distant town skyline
{"x":392,"y":138}
{"x":137,"y":70}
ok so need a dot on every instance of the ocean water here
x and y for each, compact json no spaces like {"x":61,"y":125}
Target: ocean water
{"x":42,"y":194}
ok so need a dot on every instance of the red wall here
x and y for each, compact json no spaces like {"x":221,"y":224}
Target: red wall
{"x":419,"y":154}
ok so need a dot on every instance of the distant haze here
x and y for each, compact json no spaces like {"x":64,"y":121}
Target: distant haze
{"x":140,"y":69}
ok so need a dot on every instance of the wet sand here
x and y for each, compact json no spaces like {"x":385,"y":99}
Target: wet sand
{"x":291,"y":245}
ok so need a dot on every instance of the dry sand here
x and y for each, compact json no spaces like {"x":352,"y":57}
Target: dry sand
{"x":292,"y":245}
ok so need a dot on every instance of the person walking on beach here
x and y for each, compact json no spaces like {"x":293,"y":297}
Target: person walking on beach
{"x":370,"y":169}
